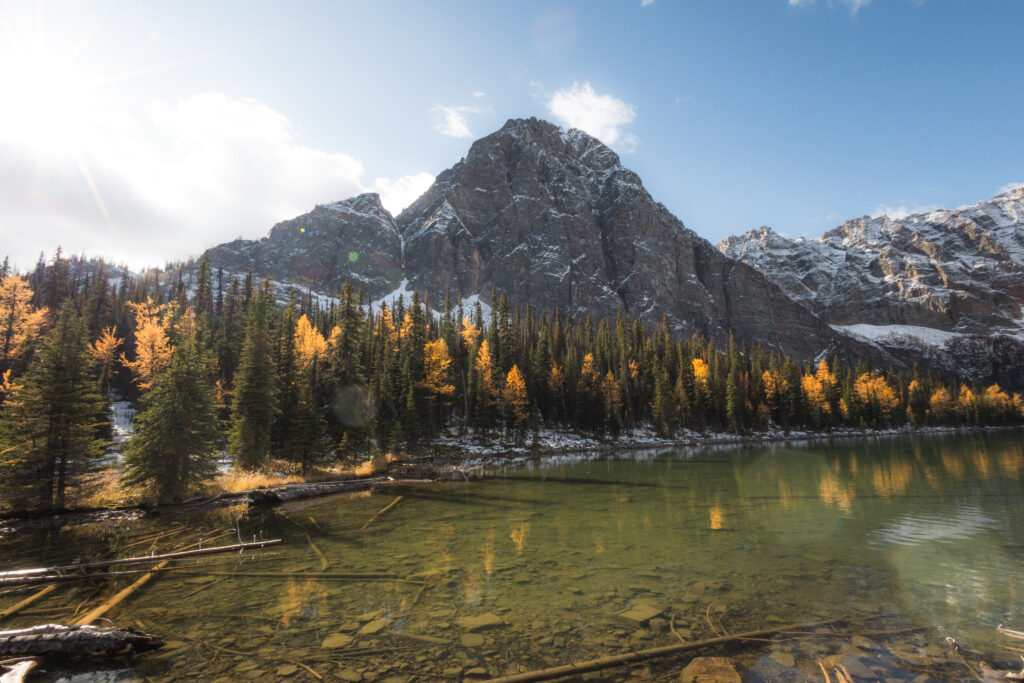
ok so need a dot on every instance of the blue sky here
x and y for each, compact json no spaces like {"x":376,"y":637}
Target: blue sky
{"x":145,"y":131}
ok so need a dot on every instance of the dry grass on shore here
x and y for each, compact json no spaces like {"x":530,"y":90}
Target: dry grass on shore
{"x":102,"y":489}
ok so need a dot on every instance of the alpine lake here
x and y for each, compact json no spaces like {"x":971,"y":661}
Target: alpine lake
{"x":907,"y":540}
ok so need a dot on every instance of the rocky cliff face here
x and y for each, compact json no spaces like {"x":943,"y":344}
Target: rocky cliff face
{"x":355,"y":240}
{"x":958,"y":271}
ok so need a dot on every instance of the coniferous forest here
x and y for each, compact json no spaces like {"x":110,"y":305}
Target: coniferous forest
{"x":218,"y":364}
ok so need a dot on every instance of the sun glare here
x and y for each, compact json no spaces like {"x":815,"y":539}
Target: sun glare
{"x":46,"y":104}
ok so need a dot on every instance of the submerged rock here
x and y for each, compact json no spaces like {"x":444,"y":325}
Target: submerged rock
{"x":710,"y":670}
{"x":337,"y":640}
{"x":640,"y":613}
{"x":480,"y":622}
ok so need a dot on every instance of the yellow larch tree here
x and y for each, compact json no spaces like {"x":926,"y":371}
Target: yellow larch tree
{"x":941,"y":405}
{"x":701,"y":372}
{"x":310,"y":345}
{"x":875,"y":396}
{"x":515,"y":397}
{"x":20,"y":323}
{"x":484,"y":365}
{"x":152,"y":346}
{"x":435,"y":369}
{"x":104,"y":351}
{"x":775,"y":385}
{"x":470,"y":333}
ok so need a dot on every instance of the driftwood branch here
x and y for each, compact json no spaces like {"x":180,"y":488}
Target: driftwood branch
{"x":15,"y":673}
{"x":11,"y":578}
{"x":13,"y":609}
{"x":652,"y":653}
{"x":76,"y":641}
{"x":98,"y":612}
{"x":381,"y":512}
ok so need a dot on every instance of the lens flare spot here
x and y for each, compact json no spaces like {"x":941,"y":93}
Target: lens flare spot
{"x":353,"y":256}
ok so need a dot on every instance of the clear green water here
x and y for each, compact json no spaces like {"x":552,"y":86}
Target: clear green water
{"x":926,"y":530}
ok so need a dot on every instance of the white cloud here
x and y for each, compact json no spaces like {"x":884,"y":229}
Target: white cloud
{"x":646,"y":3}
{"x":853,"y":6}
{"x":900,"y":212}
{"x":1009,"y":187}
{"x":479,"y":93}
{"x":166,"y":183}
{"x":451,"y":121}
{"x":603,"y":116}
{"x":395,"y":195}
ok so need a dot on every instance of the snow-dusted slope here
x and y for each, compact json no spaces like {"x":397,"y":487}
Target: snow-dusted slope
{"x":957,"y":270}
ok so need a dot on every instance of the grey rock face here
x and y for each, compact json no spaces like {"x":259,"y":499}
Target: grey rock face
{"x":551,"y":218}
{"x":355,"y":239}
{"x":959,"y":270}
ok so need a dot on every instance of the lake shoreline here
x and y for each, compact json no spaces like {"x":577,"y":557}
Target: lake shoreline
{"x":464,"y":459}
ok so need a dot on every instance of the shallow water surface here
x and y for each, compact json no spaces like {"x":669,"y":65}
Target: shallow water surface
{"x":567,"y":559}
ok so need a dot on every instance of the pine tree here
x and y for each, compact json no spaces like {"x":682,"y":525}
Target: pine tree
{"x":51,"y":420}
{"x":254,"y":398}
{"x":176,"y":432}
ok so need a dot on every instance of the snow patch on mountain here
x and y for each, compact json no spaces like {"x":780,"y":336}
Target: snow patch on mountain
{"x":928,"y":335}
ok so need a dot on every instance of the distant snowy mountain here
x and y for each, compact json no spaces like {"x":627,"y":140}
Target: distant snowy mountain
{"x":936,"y":279}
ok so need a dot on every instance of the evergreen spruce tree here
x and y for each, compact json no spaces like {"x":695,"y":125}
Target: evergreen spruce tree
{"x":254,"y":398}
{"x":175,"y":437}
{"x":50,"y":421}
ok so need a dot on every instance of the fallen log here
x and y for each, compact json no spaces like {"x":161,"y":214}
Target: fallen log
{"x":16,"y":672}
{"x":381,"y":512}
{"x":76,"y":641}
{"x":13,"y":578}
{"x":13,"y":609}
{"x":98,"y":612}
{"x":651,"y":653}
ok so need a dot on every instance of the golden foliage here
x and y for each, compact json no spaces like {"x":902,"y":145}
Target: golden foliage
{"x":941,"y":405}
{"x":20,"y":324}
{"x":485,"y":366}
{"x":701,"y":372}
{"x":872,"y":389}
{"x":152,"y":347}
{"x":470,"y":333}
{"x":610,"y":391}
{"x":634,"y":369}
{"x":104,"y":349}
{"x":588,"y":371}
{"x":435,"y":368}
{"x":310,"y":345}
{"x":998,"y":400}
{"x":774,"y":386}
{"x":815,"y":394}
{"x":514,"y":394}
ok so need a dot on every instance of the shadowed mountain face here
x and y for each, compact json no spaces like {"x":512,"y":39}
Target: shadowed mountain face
{"x":550,"y":218}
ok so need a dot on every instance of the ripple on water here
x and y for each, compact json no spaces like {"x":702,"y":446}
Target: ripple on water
{"x":947,"y":524}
